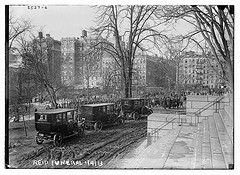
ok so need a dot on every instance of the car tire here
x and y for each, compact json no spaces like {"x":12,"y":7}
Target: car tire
{"x":39,"y":140}
{"x":57,"y":139}
{"x":98,"y":126}
{"x":120,"y":121}
{"x":135,"y":116}
{"x":81,"y":131}
{"x":150,"y":111}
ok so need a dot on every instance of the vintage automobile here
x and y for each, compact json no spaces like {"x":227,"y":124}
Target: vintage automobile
{"x":99,"y":115}
{"x":135,"y":108}
{"x":57,"y":124}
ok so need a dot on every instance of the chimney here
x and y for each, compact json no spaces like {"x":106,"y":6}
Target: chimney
{"x":40,"y":34}
{"x":84,"y":33}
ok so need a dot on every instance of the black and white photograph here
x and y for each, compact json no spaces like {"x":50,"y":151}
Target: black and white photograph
{"x":119,"y":86}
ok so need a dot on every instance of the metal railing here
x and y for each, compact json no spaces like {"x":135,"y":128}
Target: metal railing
{"x":211,"y":103}
{"x":155,"y":131}
{"x":171,"y":118}
{"x":197,"y":114}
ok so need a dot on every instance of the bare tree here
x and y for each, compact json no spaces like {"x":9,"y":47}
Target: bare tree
{"x":135,"y":29}
{"x":216,"y":26}
{"x":175,"y":53}
{"x":17,"y":26}
{"x":37,"y":55}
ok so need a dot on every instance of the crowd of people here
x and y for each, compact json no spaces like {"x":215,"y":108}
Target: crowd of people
{"x":161,"y":99}
{"x":152,"y":100}
{"x":170,"y":101}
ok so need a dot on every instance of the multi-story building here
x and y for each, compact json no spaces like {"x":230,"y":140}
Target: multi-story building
{"x":68,"y":51}
{"x":198,"y":71}
{"x":84,"y":66}
{"x":82,"y":62}
{"x":150,"y":73}
{"x":54,"y":60}
{"x":153,"y":73}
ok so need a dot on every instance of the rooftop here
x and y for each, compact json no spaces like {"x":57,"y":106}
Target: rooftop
{"x":99,"y":104}
{"x":54,"y":111}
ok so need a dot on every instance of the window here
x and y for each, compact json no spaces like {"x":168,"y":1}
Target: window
{"x":109,"y":109}
{"x":136,"y":102}
{"x":104,"y":109}
{"x":59,"y":118}
{"x":64,"y":117}
{"x":69,"y":116}
{"x":42,"y":117}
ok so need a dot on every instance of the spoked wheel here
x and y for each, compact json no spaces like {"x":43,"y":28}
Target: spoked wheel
{"x":81,"y":131}
{"x":57,"y":139}
{"x":39,"y":140}
{"x":135,"y":116}
{"x":150,"y":111}
{"x":120,"y":121}
{"x":98,"y":126}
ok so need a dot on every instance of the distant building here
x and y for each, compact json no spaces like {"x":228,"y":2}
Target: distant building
{"x":54,"y":60}
{"x":153,"y":72}
{"x":198,"y":71}
{"x":81,"y":62}
{"x":85,"y":65}
{"x":68,"y":51}
{"x":150,"y":73}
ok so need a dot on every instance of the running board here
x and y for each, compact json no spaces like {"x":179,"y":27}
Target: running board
{"x":70,"y":135}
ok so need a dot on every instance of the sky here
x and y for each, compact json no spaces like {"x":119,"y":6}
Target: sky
{"x":68,"y":20}
{"x":58,"y":20}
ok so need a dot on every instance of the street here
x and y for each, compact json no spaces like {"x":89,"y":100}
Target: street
{"x":93,"y":150}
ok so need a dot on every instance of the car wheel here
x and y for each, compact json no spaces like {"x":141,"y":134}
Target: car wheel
{"x":57,"y":139}
{"x":150,"y":112}
{"x":86,"y":127}
{"x":39,"y":140}
{"x":98,"y":126}
{"x":80,"y":131}
{"x":135,"y":116}
{"x":120,"y":121}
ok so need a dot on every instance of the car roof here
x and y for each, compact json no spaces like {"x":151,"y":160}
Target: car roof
{"x":98,"y":104}
{"x":54,"y":111}
{"x":133,"y":98}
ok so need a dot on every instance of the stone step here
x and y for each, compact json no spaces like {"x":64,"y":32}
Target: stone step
{"x":198,"y":140}
{"x":206,"y":147}
{"x":181,"y":155}
{"x":217,"y":156}
{"x":229,"y":111}
{"x":228,"y":123}
{"x":224,"y":139}
{"x":157,"y":152}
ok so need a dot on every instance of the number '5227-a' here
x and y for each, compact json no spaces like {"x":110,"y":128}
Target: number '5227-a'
{"x":33,"y":7}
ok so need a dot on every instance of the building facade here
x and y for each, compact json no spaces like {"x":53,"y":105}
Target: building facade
{"x":198,"y":71}
{"x":54,"y":60}
{"x":81,"y":62}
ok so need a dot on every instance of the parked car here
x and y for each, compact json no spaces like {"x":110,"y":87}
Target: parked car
{"x":135,"y":108}
{"x":57,"y":124}
{"x":99,"y":115}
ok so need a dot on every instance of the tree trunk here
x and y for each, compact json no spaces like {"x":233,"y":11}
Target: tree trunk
{"x":52,"y":95}
{"x":126,"y":88}
{"x":231,"y":76}
{"x":130,"y":82}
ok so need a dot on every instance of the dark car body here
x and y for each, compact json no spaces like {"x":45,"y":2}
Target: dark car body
{"x":135,"y":108}
{"x":99,"y":115}
{"x":57,"y":124}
